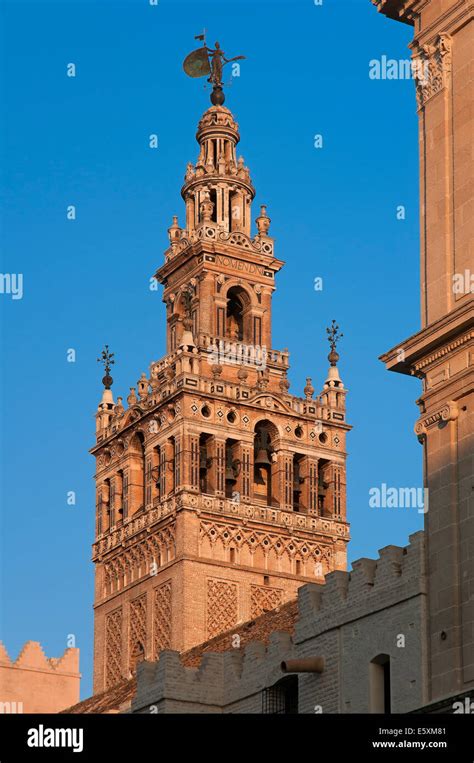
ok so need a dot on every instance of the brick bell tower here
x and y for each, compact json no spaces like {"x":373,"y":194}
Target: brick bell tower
{"x":219,"y":493}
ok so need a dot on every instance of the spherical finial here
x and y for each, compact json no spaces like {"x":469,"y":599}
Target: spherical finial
{"x":217,"y":96}
{"x":309,"y":389}
{"x":334,"y":336}
{"x":107,"y":359}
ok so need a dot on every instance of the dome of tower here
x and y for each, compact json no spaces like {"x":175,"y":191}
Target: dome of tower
{"x":215,"y":120}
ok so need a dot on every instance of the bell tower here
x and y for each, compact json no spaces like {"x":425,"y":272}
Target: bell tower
{"x":219,"y":492}
{"x":218,"y":195}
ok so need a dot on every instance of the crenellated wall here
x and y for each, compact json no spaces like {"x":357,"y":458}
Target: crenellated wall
{"x":35,"y":684}
{"x":355,"y":617}
{"x":376,"y":609}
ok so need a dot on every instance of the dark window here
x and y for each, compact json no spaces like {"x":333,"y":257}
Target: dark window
{"x":234,"y":316}
{"x":281,"y":699}
{"x":380,"y":688}
{"x":213,"y":197}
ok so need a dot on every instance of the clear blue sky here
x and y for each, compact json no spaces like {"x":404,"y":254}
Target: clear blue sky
{"x":84,"y":141}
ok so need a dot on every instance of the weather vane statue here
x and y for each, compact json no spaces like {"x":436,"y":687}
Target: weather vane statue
{"x":333,"y":338}
{"x":209,"y":61}
{"x":107,"y":359}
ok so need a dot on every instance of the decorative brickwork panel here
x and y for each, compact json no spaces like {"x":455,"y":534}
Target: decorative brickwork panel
{"x":221,"y":606}
{"x":140,"y":559}
{"x":263,"y":599}
{"x":113,"y":648}
{"x":137,"y":631}
{"x":216,"y":537}
{"x":161,"y":618}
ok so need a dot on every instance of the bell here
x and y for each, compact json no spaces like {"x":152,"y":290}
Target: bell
{"x":261,"y":459}
{"x":203,"y":459}
{"x":229,"y":475}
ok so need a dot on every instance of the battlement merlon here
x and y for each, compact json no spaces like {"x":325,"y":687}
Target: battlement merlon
{"x":32,"y":657}
{"x":372,"y":584}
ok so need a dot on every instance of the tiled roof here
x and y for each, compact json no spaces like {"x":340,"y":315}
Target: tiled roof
{"x":112,"y":700}
{"x":280,"y":619}
{"x":119,"y":697}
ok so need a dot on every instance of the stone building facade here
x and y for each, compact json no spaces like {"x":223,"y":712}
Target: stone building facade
{"x":219,"y":493}
{"x":441,"y":354}
{"x":35,"y":684}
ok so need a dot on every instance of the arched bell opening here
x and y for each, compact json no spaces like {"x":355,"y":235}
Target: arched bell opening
{"x":232,"y":466}
{"x":234,"y":316}
{"x":324,"y":493}
{"x":265,"y":466}
{"x":237,"y":315}
{"x":205,"y":462}
{"x":213,"y":198}
{"x":298,"y":482}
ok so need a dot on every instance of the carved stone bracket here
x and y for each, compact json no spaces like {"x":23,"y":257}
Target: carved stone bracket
{"x":449,"y":412}
{"x":433,"y":69}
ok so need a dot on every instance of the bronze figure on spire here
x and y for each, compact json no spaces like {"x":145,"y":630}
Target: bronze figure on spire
{"x":210,"y":61}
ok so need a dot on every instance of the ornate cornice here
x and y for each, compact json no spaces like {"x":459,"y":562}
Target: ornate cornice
{"x":400,"y":10}
{"x":433,"y":341}
{"x":448,"y":348}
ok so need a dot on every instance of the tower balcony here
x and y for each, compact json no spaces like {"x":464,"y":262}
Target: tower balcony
{"x":240,"y":353}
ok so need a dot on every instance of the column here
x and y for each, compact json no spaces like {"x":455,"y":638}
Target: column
{"x":285,"y":472}
{"x":246,"y":472}
{"x":218,"y":466}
